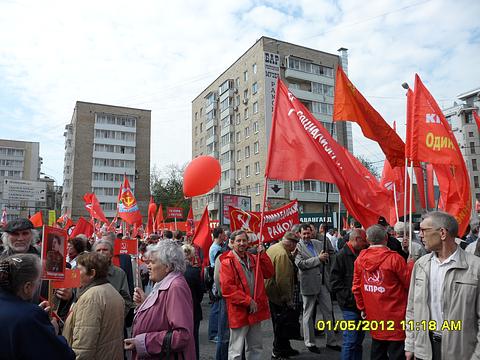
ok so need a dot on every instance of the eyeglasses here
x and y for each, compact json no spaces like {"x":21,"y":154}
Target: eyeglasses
{"x":426,"y":229}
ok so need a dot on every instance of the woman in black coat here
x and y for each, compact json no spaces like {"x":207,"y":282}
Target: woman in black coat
{"x":193,"y":276}
{"x":26,"y":332}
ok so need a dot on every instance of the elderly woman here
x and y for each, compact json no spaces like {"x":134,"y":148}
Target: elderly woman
{"x":20,"y":318}
{"x":163,"y":323}
{"x":94,"y":328}
{"x":75,"y":247}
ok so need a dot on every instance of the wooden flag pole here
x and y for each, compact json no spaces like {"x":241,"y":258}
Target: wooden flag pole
{"x":405,"y":198}
{"x":410,"y":210}
{"x":395,"y":200}
{"x":260,"y":238}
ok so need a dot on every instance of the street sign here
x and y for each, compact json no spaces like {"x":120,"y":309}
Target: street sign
{"x":276,"y":189}
{"x":24,"y":190}
{"x":174,"y":213}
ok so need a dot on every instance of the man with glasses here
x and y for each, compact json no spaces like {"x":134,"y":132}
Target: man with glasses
{"x":444,"y":293}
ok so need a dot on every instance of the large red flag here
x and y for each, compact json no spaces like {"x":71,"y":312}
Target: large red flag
{"x":477,"y":119}
{"x":203,"y":236}
{"x":433,"y":141}
{"x":152,"y":209}
{"x":93,"y":207}
{"x":420,"y":185}
{"x":82,"y":227}
{"x":127,"y":207}
{"x":301,"y":148}
{"x":389,"y":178}
{"x":350,"y":105}
{"x":37,"y":219}
{"x":190,"y":223}
{"x":159,"y":219}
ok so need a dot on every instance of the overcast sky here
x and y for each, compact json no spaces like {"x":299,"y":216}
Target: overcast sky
{"x":159,"y":55}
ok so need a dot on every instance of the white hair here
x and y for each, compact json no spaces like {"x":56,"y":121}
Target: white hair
{"x":6,"y":243}
{"x":169,"y":253}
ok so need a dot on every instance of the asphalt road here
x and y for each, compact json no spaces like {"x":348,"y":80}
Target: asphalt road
{"x":207,"y":348}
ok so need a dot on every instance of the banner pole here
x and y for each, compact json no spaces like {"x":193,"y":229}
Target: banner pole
{"x":339,"y":211}
{"x":260,"y":239}
{"x":395,"y":200}
{"x":410,"y":203}
{"x":405,"y":198}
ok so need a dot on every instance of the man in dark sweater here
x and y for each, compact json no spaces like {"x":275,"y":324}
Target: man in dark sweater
{"x":341,"y":279}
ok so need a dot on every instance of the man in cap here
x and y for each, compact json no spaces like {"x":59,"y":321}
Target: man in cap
{"x":17,"y":238}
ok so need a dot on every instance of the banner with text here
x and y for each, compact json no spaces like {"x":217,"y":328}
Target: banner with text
{"x":277,"y":222}
{"x":174,"y":213}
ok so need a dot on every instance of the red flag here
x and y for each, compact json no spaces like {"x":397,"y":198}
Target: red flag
{"x":301,"y":148}
{"x":159,"y":220}
{"x":345,"y":223}
{"x":477,"y":119}
{"x":350,"y":105}
{"x":71,"y":280}
{"x":430,"y":187}
{"x":420,"y":185}
{"x":203,"y":236}
{"x":37,"y":219}
{"x":93,"y":207}
{"x":152,"y":209}
{"x":433,"y":141}
{"x":82,"y":227}
{"x":477,"y":205}
{"x":127,"y":204}
{"x":190,"y":223}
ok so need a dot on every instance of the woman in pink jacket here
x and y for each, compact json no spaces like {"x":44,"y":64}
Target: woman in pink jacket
{"x":163,"y":323}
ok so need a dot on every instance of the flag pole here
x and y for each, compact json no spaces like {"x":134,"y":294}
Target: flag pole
{"x":405,"y":198}
{"x":260,"y":239}
{"x":395,"y":200}
{"x":410,"y":210}
{"x":339,"y":208}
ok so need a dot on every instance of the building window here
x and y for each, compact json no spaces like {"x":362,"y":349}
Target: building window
{"x":474,"y":165}
{"x":247,"y":132}
{"x":237,"y":137}
{"x":255,"y":127}
{"x":239,"y":174}
{"x":225,"y":86}
{"x":322,"y":108}
{"x":245,"y":94}
{"x":475,"y":182}
{"x":237,"y":82}
{"x":308,"y":67}
{"x":201,"y":128}
{"x":210,"y":99}
{"x":247,"y":152}
{"x":239,"y":155}
{"x":470,"y":134}
{"x":257,"y":207}
{"x":255,"y":107}
{"x":254,"y":88}
{"x":245,"y":76}
{"x":468,"y":118}
{"x":196,"y":116}
{"x":255,"y":147}
{"x":245,"y":113}
{"x":237,"y":119}
{"x":226,"y":175}
{"x":257,"y":168}
{"x":237,"y":100}
{"x":322,"y":89}
{"x":472,"y":147}
{"x":257,"y":189}
{"x":247,"y":190}
{"x":254,"y":68}
{"x":224,"y":105}
{"x":247,"y":171}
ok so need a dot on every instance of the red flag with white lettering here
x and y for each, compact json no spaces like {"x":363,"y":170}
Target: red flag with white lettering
{"x":301,"y":148}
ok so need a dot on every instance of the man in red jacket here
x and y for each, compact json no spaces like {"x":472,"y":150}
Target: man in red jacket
{"x":380,"y":286}
{"x":244,"y":293}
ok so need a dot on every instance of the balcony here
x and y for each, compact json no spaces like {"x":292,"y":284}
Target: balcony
{"x":227,"y":94}
{"x":209,"y":140}
{"x":227,"y":147}
{"x":226,"y":184}
{"x":210,"y":123}
{"x":296,"y":74}
{"x":314,"y":196}
{"x":229,"y":165}
{"x":212,"y":106}
{"x":228,"y":111}
{"x":226,"y":129}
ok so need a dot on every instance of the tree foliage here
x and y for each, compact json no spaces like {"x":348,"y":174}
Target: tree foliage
{"x":369,"y":165}
{"x":166,"y":186}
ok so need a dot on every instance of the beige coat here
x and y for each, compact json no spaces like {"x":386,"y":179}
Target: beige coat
{"x":280,"y":286}
{"x":461,"y":301}
{"x":94,"y":328}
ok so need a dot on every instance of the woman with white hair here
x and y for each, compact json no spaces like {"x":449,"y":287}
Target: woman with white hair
{"x":163,"y":323}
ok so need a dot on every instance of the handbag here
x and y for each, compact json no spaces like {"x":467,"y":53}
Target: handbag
{"x":167,"y":348}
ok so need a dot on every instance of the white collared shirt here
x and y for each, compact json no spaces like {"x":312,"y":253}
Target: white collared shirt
{"x":437,"y":277}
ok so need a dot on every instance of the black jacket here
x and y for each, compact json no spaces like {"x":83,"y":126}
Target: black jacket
{"x":341,"y":278}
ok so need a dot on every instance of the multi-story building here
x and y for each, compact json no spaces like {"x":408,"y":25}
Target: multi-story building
{"x":19,"y":160}
{"x":463,"y":125}
{"x":231,"y":120}
{"x":102,"y":143}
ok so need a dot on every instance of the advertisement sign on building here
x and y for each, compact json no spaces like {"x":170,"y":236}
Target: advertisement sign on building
{"x":238,"y":201}
{"x":24,"y":190}
{"x":272,"y":72}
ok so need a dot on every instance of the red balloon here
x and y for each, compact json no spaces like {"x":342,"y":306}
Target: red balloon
{"x":201,"y":176}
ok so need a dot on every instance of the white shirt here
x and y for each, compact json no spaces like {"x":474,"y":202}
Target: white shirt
{"x":471,"y":247}
{"x":333,"y":241}
{"x":437,"y":277}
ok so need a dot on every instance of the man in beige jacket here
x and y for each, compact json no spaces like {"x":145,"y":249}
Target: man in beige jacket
{"x":443,"y":311}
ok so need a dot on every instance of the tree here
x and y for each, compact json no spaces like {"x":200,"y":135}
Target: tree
{"x":166,"y":186}
{"x":369,"y":165}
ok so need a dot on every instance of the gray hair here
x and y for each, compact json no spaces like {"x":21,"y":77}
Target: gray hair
{"x":400,"y":228}
{"x":376,"y":234}
{"x":103,"y":242}
{"x":110,"y":237}
{"x":444,"y":220}
{"x":169,"y":253}
{"x":6,"y":243}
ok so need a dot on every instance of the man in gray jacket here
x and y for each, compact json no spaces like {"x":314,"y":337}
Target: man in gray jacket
{"x":443,"y":311}
{"x":310,"y":260}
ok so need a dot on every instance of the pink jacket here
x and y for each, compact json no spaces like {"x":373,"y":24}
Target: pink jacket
{"x":168,"y":307}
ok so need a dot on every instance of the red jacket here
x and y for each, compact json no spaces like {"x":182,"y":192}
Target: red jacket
{"x":380,"y":286}
{"x":236,"y":291}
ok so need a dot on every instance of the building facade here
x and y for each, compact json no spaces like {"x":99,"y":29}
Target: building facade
{"x":102,"y":143}
{"x":460,"y":118}
{"x":231,"y":121}
{"x":19,"y":160}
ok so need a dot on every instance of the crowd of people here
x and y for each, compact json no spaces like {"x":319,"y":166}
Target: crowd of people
{"x":415,"y":292}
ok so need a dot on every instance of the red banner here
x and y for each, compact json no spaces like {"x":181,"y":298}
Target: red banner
{"x":174,"y":213}
{"x":123,"y":247}
{"x":277,"y":222}
{"x":71,"y":281}
{"x":54,"y":249}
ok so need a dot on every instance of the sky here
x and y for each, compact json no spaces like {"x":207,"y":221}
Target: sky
{"x":160,"y":55}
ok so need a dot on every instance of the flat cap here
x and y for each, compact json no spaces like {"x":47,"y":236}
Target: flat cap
{"x":18,"y":225}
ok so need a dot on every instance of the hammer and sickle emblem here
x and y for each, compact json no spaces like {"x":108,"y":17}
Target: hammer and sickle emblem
{"x":128,"y":200}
